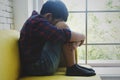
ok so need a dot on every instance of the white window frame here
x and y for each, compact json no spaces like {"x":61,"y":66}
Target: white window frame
{"x":37,"y":4}
{"x":107,"y":63}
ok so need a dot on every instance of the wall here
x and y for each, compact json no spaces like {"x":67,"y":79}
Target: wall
{"x":22,"y":10}
{"x":13,"y":13}
{"x":6,"y":14}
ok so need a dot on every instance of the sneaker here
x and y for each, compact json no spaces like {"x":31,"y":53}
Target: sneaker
{"x":90,"y":69}
{"x":78,"y":71}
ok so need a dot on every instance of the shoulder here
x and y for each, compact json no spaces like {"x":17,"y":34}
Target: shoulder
{"x":35,"y":18}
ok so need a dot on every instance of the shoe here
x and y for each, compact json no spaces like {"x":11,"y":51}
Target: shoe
{"x":78,"y":71}
{"x":90,"y":69}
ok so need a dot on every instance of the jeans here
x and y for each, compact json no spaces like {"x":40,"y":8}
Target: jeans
{"x":48,"y":62}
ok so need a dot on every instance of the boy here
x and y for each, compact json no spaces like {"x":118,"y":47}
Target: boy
{"x":43,"y":38}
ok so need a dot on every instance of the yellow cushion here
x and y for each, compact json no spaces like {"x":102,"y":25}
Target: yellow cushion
{"x":60,"y":75}
{"x":9,"y":59}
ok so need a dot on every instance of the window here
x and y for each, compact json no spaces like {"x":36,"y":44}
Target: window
{"x":99,"y":20}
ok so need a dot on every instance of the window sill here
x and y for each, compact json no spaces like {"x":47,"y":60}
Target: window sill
{"x":108,"y":71}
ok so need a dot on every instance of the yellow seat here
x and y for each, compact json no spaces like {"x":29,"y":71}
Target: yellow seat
{"x":10,"y":64}
{"x":9,"y":57}
{"x":60,"y":75}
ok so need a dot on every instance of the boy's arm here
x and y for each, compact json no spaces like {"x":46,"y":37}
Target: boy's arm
{"x":75,"y":37}
{"x":62,"y":25}
{"x":43,"y":29}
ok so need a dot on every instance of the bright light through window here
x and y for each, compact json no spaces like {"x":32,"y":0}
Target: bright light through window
{"x":99,"y":20}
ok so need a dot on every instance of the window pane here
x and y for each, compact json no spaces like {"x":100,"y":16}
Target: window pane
{"x":103,"y":52}
{"x":103,"y":4}
{"x":104,"y":27}
{"x":75,"y":5}
{"x":76,"y":21}
{"x":81,"y":54}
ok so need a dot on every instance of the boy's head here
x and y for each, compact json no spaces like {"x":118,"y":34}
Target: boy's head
{"x":54,"y":11}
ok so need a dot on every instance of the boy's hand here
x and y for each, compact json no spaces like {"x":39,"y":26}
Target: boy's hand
{"x":77,"y":44}
{"x":73,"y":45}
{"x":62,"y":25}
{"x":82,"y":41}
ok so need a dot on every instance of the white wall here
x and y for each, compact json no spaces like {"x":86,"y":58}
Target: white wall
{"x":37,"y":5}
{"x":13,"y":13}
{"x":6,"y":14}
{"x":23,"y":9}
{"x":20,"y":12}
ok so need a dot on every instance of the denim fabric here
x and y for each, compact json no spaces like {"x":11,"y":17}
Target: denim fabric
{"x":48,"y":62}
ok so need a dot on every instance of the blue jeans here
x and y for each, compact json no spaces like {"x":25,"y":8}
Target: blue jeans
{"x":48,"y":62}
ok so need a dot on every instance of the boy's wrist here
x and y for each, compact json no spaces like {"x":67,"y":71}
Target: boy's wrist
{"x":62,"y":25}
{"x":77,"y":43}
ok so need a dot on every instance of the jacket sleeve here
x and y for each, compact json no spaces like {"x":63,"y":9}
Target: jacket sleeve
{"x":44,"y":29}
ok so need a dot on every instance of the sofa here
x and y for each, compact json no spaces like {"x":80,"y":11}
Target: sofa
{"x":10,"y":63}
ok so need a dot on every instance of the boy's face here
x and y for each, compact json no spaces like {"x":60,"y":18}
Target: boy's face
{"x":53,"y":21}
